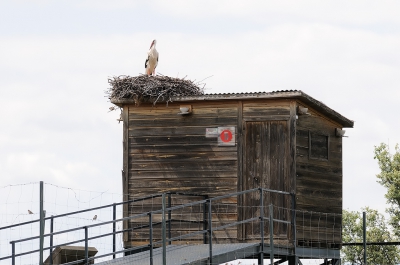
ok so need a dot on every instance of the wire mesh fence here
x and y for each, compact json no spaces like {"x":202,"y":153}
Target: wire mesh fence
{"x":170,"y":228}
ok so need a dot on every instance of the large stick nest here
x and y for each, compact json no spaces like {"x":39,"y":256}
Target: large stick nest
{"x":152,"y":89}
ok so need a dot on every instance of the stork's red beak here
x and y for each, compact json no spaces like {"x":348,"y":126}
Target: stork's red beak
{"x":152,"y":43}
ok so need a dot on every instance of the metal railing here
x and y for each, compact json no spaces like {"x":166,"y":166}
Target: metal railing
{"x":113,"y":222}
{"x":166,"y":211}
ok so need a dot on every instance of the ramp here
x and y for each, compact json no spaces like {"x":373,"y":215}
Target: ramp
{"x":190,"y":254}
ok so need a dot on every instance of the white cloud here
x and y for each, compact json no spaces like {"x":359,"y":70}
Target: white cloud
{"x":340,"y":12}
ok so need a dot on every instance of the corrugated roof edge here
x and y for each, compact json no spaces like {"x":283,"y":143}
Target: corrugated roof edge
{"x":297,"y":94}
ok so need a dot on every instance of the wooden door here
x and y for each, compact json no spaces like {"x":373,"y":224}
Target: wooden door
{"x":266,"y":161}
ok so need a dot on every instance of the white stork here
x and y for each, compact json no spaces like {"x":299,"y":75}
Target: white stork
{"x":152,"y":59}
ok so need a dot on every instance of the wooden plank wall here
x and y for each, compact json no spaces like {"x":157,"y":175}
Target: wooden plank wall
{"x":169,"y":152}
{"x":318,"y":181}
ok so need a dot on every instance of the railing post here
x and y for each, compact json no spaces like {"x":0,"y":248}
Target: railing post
{"x":51,"y":239}
{"x":169,"y":218}
{"x":151,"y":236}
{"x":205,"y":222}
{"x":293,"y":215}
{"x":271,"y":232}
{"x":164,"y":245}
{"x":365,"y":238}
{"x":41,"y":224}
{"x":114,"y":228}
{"x":86,"y":245}
{"x":12,"y":252}
{"x":261,"y":256}
{"x":210,"y":231}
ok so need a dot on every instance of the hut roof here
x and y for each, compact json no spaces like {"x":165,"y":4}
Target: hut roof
{"x":127,"y":90}
{"x":285,"y":94}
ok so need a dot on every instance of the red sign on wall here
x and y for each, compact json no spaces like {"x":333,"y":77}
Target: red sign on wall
{"x":226,"y":136}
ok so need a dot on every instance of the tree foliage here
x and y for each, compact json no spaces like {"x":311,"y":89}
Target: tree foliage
{"x":390,"y":179}
{"x":377,"y":231}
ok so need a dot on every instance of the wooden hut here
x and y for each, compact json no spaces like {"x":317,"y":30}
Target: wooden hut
{"x":223,"y":143}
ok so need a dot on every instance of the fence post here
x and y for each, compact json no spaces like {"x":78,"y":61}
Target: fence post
{"x":151,"y":236}
{"x":41,"y":224}
{"x":205,"y":222}
{"x":271,"y":232}
{"x":114,"y":228}
{"x":210,"y":230}
{"x":365,"y":237}
{"x":51,"y":239}
{"x":86,"y":245}
{"x":293,"y":214}
{"x":12,"y":252}
{"x":261,"y":256}
{"x":164,"y":245}
{"x":169,"y":218}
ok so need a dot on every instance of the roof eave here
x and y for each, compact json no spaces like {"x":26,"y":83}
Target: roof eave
{"x":298,"y":94}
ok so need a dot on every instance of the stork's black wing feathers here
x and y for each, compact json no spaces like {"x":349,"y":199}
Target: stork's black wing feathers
{"x":145,"y":64}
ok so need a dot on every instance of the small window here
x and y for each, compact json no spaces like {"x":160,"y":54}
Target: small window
{"x":318,"y":146}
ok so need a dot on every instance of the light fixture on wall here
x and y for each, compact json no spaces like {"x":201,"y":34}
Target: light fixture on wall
{"x":185,"y":109}
{"x":302,"y":110}
{"x":339,"y":132}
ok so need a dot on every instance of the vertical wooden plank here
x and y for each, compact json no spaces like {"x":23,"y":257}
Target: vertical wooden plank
{"x":274,"y":169}
{"x":283,"y":201}
{"x":249,"y":155}
{"x":240,"y":187}
{"x":125,"y":170}
{"x":248,"y":150}
{"x":292,"y":146}
{"x":266,"y":161}
{"x":275,"y":146}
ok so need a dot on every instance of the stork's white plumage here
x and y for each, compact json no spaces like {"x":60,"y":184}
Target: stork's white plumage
{"x":152,"y":59}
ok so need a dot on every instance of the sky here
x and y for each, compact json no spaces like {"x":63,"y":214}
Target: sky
{"x":56,"y":58}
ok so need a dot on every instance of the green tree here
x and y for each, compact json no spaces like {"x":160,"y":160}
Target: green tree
{"x":390,"y":179}
{"x":377,"y":231}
